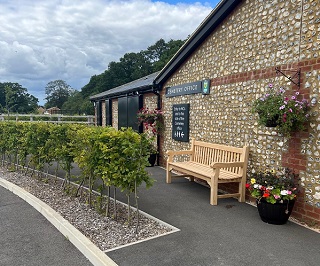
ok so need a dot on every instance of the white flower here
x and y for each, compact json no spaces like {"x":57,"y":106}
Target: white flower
{"x":284,"y":192}
{"x":255,"y":185}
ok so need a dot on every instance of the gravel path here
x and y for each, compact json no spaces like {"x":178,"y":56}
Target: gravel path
{"x":105,"y":232}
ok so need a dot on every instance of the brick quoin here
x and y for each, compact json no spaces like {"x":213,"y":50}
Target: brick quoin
{"x":313,"y":215}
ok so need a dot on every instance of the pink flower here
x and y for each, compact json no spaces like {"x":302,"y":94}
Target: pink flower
{"x":284,"y":118}
{"x":290,"y":110}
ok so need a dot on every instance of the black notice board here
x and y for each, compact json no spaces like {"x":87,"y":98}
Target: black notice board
{"x":180,"y":122}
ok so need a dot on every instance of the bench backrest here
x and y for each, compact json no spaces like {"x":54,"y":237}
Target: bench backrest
{"x":207,"y":153}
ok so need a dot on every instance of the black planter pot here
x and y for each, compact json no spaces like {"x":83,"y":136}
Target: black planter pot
{"x":277,"y":213}
{"x":152,"y":159}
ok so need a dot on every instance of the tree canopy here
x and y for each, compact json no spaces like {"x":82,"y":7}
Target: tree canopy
{"x":130,"y":67}
{"x":57,"y":92}
{"x":15,"y":98}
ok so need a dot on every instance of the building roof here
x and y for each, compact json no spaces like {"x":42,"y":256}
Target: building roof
{"x":141,"y":85}
{"x":212,"y":21}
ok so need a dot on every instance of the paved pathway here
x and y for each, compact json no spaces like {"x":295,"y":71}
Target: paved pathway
{"x":28,"y":239}
{"x":228,"y":234}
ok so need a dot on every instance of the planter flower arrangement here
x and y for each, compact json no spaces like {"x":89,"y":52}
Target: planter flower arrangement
{"x":273,"y":187}
{"x":285,"y":112}
{"x":151,"y":119}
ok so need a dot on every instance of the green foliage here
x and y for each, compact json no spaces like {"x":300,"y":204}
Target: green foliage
{"x":123,"y":158}
{"x":57,"y":92}
{"x":78,"y":104}
{"x":15,"y":98}
{"x":287,"y":112}
{"x":118,"y":158}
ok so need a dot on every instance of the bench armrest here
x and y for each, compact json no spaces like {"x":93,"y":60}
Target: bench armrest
{"x":171,"y":154}
{"x":225,"y":165}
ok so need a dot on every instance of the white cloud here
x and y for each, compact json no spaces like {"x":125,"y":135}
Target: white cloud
{"x":42,"y":41}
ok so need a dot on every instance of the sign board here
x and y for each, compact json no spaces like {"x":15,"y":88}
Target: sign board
{"x":189,"y":88}
{"x":180,"y":122}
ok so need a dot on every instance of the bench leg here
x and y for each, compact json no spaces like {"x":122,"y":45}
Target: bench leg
{"x":242,"y":191}
{"x":214,"y":191}
{"x":168,"y":176}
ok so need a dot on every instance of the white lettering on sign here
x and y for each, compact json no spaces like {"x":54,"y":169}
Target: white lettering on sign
{"x":178,"y":109}
{"x":180,"y":118}
{"x":174,"y":90}
{"x":191,"y":88}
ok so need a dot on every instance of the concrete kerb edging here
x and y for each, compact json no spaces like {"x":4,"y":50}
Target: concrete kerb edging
{"x":82,"y":243}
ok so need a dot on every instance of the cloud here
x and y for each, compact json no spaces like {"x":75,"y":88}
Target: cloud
{"x":42,"y":41}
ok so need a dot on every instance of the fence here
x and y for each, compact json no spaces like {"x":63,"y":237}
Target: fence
{"x":88,"y":119}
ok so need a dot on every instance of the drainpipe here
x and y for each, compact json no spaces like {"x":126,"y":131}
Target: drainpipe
{"x":155,"y":91}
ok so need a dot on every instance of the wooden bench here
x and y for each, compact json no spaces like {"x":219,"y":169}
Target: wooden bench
{"x":213,"y":163}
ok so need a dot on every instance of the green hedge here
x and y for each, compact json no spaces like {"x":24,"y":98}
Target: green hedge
{"x":117,"y":157}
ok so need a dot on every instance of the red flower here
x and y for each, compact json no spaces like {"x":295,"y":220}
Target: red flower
{"x":266,"y":194}
{"x":247,"y":185}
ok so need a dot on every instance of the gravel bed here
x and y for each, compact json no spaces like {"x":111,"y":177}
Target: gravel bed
{"x":105,"y":232}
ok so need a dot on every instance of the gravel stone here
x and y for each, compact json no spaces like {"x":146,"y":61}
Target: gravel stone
{"x":105,"y":232}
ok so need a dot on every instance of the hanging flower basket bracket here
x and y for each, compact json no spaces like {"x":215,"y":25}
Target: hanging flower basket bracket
{"x":295,"y":78}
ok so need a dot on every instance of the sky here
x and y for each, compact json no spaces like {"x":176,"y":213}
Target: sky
{"x":72,"y":40}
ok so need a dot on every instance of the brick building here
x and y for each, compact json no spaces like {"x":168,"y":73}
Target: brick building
{"x":237,"y":48}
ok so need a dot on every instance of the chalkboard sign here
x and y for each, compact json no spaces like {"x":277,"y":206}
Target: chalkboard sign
{"x":180,"y":122}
